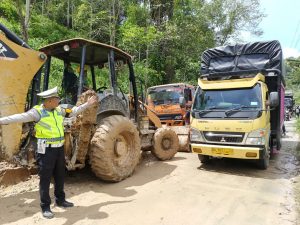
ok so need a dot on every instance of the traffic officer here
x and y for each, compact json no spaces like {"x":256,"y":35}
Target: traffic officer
{"x":49,"y":131}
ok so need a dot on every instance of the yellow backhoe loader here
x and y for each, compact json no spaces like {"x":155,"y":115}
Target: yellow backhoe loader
{"x":110,"y":136}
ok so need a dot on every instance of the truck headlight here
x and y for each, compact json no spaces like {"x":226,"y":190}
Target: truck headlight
{"x":256,"y":137}
{"x":255,"y":141}
{"x":195,"y":135}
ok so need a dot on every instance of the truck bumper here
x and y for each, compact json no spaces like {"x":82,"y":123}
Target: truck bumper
{"x":227,"y":151}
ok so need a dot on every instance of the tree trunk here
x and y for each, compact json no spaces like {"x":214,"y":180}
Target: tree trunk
{"x":68,"y":14}
{"x":27,"y":13}
{"x":112,"y":23}
{"x":24,"y":20}
{"x":43,"y":5}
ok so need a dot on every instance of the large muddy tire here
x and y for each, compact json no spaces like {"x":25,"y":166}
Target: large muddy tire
{"x":115,"y":149}
{"x":165,"y":143}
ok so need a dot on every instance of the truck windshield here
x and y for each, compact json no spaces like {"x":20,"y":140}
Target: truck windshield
{"x":229,"y":101}
{"x":164,"y":96}
{"x":288,"y":102}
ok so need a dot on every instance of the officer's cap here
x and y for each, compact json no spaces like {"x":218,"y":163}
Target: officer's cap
{"x":49,"y":93}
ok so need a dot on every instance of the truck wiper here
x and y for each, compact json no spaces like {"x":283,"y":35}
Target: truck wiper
{"x":210,"y":109}
{"x":237,"y":109}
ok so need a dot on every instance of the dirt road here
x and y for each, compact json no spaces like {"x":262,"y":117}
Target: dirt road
{"x":178,"y":192}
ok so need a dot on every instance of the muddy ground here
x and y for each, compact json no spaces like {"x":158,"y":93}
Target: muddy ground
{"x":180,"y":191}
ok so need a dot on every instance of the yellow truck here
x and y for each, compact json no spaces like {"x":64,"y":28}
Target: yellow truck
{"x":238,"y":111}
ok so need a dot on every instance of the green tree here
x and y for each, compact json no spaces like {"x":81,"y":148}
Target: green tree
{"x":229,"y":18}
{"x":185,"y":36}
{"x":9,"y":16}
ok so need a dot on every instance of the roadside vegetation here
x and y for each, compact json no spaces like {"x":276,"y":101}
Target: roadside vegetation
{"x":293,"y":83}
{"x":293,"y":79}
{"x":298,"y":125}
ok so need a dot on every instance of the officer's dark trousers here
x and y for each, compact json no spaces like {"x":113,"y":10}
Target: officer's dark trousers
{"x":52,"y":163}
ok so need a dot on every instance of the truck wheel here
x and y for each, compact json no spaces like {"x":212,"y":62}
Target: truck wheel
{"x":203,"y":158}
{"x":165,"y":143}
{"x":263,"y":163}
{"x":115,"y":149}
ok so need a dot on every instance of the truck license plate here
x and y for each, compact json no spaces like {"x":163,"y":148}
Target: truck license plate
{"x":222,"y":151}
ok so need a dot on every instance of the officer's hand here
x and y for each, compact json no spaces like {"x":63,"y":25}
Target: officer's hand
{"x":92,"y":100}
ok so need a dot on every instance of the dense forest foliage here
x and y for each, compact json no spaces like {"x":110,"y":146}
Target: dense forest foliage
{"x":293,"y":77}
{"x":166,"y":37}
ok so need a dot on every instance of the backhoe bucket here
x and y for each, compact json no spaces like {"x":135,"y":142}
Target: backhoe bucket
{"x":18,"y":66}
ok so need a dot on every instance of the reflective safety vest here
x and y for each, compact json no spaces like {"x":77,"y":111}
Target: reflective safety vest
{"x":50,"y":127}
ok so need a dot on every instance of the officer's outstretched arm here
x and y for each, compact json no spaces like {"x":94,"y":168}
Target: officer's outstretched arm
{"x":29,"y":116}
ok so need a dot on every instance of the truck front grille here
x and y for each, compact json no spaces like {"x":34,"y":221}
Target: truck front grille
{"x":223,"y":137}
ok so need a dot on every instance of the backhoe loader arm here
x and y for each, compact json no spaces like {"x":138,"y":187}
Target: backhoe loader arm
{"x":152,"y":115}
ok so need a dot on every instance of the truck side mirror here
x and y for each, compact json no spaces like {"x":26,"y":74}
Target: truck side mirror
{"x":182,"y":102}
{"x":188,"y":94}
{"x":274,"y":99}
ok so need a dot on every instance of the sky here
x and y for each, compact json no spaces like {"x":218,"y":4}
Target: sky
{"x":282,"y":23}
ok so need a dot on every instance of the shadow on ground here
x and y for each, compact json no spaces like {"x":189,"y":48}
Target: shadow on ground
{"x":84,"y":181}
{"x":150,"y":169}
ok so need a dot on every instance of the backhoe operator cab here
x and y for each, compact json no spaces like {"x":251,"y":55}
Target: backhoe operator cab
{"x":98,"y":65}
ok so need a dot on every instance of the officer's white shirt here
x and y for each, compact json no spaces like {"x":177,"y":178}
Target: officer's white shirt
{"x":33,"y":115}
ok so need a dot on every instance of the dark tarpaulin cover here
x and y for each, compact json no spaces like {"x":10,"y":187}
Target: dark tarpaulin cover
{"x":242,"y":57}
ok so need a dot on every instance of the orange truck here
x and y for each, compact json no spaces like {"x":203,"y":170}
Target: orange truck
{"x":171,"y":102}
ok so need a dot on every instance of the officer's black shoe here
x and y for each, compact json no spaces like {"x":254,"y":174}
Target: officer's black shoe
{"x":47,"y":213}
{"x":65,"y":204}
